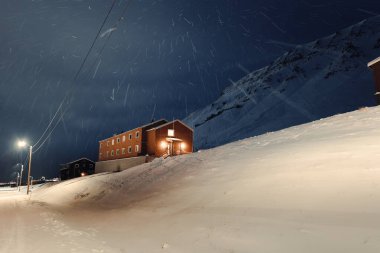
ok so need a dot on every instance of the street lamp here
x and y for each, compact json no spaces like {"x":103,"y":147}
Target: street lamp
{"x":22,"y":144}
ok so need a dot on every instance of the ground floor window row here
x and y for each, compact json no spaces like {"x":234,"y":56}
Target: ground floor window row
{"x":123,"y":151}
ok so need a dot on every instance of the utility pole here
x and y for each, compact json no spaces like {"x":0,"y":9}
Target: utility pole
{"x":30,"y":165}
{"x":22,"y":169}
{"x":18,"y":179}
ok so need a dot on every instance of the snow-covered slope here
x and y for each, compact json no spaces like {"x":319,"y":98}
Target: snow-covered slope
{"x":310,"y":188}
{"x":315,"y":80}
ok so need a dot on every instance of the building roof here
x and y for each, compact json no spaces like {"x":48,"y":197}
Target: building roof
{"x":83,"y":158}
{"x":143,"y":126}
{"x":152,"y":123}
{"x":171,"y":122}
{"x":373,"y":62}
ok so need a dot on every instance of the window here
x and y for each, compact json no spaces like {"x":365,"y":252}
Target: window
{"x":130,"y":136}
{"x":100,"y":155}
{"x":91,"y":165}
{"x":129,"y":149}
{"x":113,"y":142}
{"x":123,"y":151}
{"x":76,"y":165}
{"x":137,"y":134}
{"x":108,"y":153}
{"x":100,"y":145}
{"x":137,"y":148}
{"x":117,"y":151}
{"x":108,"y":143}
{"x":112,"y":152}
{"x":118,"y":140}
{"x":171,"y":132}
{"x":123,"y":138}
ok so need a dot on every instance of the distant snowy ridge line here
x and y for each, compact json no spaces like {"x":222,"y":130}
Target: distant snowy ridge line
{"x":315,"y":80}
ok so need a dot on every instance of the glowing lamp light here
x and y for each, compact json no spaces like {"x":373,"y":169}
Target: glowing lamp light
{"x":183,"y":145}
{"x":82,"y":174}
{"x":163,"y":144}
{"x":21,"y":143}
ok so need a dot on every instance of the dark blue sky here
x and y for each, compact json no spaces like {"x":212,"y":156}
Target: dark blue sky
{"x":164,"y":60}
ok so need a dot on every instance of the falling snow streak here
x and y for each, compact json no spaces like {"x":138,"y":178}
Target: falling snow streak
{"x":112,"y":97}
{"x":126,"y":95}
{"x":108,"y":32}
{"x":368,"y":12}
{"x":96,"y":69}
{"x":153,"y":113}
{"x":273,"y":23}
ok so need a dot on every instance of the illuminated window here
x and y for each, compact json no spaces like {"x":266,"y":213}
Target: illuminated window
{"x":112,"y":152}
{"x":137,"y":148}
{"x":123,"y":138}
{"x":171,"y":132}
{"x":129,"y":149}
{"x":100,"y":145}
{"x":117,"y":151}
{"x":137,"y":134}
{"x":113,"y":142}
{"x":123,"y":151}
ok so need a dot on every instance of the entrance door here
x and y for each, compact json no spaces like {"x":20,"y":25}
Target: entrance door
{"x":176,"y":148}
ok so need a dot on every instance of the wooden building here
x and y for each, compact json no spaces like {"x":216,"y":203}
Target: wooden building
{"x":375,"y":66}
{"x":172,"y":138}
{"x":159,"y":138}
{"x":78,"y":168}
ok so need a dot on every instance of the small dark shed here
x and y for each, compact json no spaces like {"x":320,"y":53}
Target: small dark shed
{"x":78,"y":168}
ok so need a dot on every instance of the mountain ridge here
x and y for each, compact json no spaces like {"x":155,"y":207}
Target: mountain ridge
{"x":314,"y":80}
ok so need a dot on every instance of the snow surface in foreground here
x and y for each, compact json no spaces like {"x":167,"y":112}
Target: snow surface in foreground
{"x":310,"y":188}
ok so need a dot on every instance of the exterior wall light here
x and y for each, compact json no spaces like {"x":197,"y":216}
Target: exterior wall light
{"x":164,"y":144}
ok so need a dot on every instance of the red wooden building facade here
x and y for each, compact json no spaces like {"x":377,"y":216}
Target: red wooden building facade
{"x":159,"y":138}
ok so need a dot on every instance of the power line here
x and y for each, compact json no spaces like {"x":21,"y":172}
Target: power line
{"x":94,"y":41}
{"x":51,"y":121}
{"x":75,"y":78}
{"x":52,"y":130}
{"x":110,"y":34}
{"x":82,"y":65}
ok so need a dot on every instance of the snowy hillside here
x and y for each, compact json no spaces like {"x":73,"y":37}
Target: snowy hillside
{"x":315,"y":80}
{"x":310,"y":188}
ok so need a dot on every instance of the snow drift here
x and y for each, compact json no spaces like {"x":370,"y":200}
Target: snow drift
{"x":315,"y":80}
{"x":309,"y":188}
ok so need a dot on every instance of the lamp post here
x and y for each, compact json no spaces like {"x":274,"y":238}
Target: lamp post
{"x":22,"y":169}
{"x":30,"y":165}
{"x":22,"y":144}
{"x":18,"y":179}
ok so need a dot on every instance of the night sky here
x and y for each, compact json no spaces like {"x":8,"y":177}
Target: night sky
{"x":153,"y":59}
